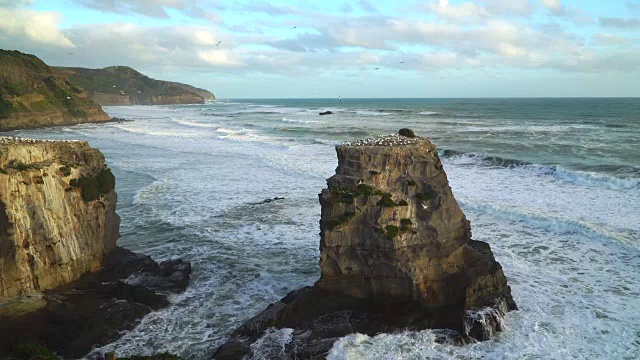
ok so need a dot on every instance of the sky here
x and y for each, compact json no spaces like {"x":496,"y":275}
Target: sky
{"x":331,"y":48}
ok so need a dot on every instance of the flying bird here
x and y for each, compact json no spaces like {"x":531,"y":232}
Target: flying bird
{"x":377,"y":68}
{"x":295,"y":27}
{"x":218,"y":44}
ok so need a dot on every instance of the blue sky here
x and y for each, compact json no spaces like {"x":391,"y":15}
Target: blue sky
{"x":296,"y":49}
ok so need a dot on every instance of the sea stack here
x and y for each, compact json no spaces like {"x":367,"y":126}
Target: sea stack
{"x":395,"y":253}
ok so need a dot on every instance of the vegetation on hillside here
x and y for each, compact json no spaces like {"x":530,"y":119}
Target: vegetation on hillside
{"x":124,"y":80}
{"x":28,"y":85}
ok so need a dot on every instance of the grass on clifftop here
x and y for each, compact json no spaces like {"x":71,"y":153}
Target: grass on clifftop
{"x":27,"y":85}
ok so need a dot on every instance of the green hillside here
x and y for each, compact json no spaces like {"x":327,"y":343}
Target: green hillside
{"x":32,"y":95}
{"x":125,"y":81}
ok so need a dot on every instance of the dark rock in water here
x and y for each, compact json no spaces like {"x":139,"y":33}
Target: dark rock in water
{"x":95,"y":309}
{"x":268,"y":201}
{"x":406,"y":133}
{"x":326,"y":113}
{"x":396,"y":253}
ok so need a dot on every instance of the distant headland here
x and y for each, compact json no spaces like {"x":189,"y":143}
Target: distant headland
{"x":33,"y":94}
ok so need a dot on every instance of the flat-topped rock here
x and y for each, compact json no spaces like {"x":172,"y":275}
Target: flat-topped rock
{"x":385,"y":140}
{"x":396,"y":253}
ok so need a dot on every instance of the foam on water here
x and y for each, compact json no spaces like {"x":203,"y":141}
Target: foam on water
{"x":189,"y":178}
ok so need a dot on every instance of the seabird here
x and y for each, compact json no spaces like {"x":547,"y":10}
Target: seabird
{"x":377,"y":68}
{"x":218,"y":44}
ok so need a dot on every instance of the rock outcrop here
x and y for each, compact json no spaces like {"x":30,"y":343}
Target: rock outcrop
{"x":32,"y":95}
{"x":122,"y":85}
{"x":395,"y":253}
{"x":64,"y":284}
{"x":57,"y":214}
{"x":97,"y":308}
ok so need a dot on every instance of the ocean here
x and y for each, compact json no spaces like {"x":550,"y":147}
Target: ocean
{"x":553,"y":185}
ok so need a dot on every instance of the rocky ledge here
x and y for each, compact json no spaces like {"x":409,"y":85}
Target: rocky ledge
{"x":64,"y":284}
{"x":396,"y":253}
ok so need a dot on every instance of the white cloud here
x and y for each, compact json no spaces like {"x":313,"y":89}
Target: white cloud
{"x":463,"y":11}
{"x":219,"y":58}
{"x":32,"y":27}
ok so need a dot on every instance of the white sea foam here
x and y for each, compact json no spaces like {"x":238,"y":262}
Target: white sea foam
{"x":197,"y":124}
{"x":569,"y":250}
{"x":298,"y":121}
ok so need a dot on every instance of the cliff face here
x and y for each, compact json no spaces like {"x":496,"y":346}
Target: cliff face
{"x":122,"y":85}
{"x":395,"y":253}
{"x":392,"y":229}
{"x":57,"y":214}
{"x":31,"y":95}
{"x":124,"y":100}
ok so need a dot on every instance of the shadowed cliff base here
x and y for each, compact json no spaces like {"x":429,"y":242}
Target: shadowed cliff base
{"x":97,"y":308}
{"x":396,"y":254}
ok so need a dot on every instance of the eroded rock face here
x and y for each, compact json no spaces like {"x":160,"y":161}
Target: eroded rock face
{"x":57,"y":214}
{"x":395,"y":253}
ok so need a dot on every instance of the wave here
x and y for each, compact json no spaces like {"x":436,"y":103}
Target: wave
{"x":552,"y":223}
{"x":144,"y":131}
{"x":630,"y":179}
{"x":300,"y":121}
{"x":325,"y":142}
{"x":371,"y":113}
{"x":331,"y":131}
{"x":393,"y":110}
{"x":195,"y":124}
{"x":428,"y":113}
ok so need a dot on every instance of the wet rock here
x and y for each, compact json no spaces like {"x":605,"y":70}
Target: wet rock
{"x":268,"y":201}
{"x":98,"y":307}
{"x":396,"y":253}
{"x":326,"y":113}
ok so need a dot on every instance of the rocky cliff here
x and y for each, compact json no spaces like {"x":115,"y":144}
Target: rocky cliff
{"x":395,"y":253}
{"x":32,"y":95}
{"x":122,"y":85}
{"x":57,"y":214}
{"x":64,"y":284}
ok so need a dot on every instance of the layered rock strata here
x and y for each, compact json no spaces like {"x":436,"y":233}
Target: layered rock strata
{"x":395,"y":253}
{"x":64,"y":284}
{"x":57,"y":213}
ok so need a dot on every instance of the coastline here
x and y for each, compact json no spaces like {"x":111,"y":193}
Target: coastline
{"x":204,"y":204}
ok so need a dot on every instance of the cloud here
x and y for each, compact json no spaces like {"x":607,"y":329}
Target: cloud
{"x":346,"y":8}
{"x":621,"y":23}
{"x":606,"y":39}
{"x":153,"y":8}
{"x":222,"y":58}
{"x":555,"y":7}
{"x":31,"y":27}
{"x":510,"y":7}
{"x":462,"y":12}
{"x":465,"y":36}
{"x":633,"y":5}
{"x":15,"y":3}
{"x":367,"y":6}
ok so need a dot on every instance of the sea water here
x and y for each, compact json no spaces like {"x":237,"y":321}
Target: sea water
{"x":553,"y":185}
